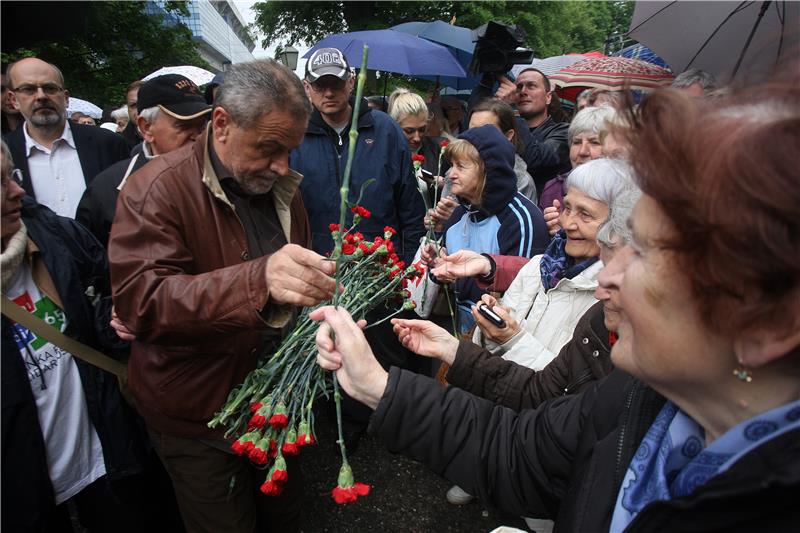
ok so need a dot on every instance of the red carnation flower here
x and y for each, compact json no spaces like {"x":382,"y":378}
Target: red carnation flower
{"x":361,"y":211}
{"x":273,"y":449}
{"x":400,"y":264}
{"x":389,"y":232}
{"x":364,"y":248}
{"x":290,"y":448}
{"x":333,"y":227}
{"x":348,"y":249}
{"x":279,"y":420}
{"x":343,"y":495}
{"x":245,"y":443}
{"x":270,"y":488}
{"x":358,"y":236}
{"x":259,"y":452}
{"x":394,"y":272}
{"x":255,"y":407}
{"x":418,"y":157}
{"x":306,"y":439}
{"x":444,"y":143}
{"x":278,"y":473}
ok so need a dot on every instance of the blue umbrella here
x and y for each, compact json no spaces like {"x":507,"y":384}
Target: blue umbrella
{"x":456,"y":38}
{"x":394,"y":51}
{"x":640,"y":51}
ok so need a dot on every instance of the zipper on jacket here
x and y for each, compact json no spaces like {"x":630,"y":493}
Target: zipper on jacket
{"x":621,"y":441}
{"x":580,"y":380}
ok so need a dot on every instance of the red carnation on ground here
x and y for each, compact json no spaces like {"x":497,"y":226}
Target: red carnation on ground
{"x":343,"y":495}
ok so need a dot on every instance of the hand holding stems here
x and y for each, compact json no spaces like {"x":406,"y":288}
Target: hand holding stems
{"x":350,"y":356}
{"x":440,"y":214}
{"x":462,"y":264}
{"x":299,"y":276}
{"x":431,"y":254}
{"x":489,"y":330}
{"x":551,"y":216}
{"x":426,"y":338}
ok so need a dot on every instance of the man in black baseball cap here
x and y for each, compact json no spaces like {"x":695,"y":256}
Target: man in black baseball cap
{"x":172,"y":113}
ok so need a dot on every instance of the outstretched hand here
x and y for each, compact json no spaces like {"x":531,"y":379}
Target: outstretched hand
{"x":489,"y":330}
{"x":426,"y":338}
{"x":349,"y":355}
{"x":462,"y":264}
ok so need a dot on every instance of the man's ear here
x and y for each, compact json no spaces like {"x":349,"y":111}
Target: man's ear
{"x":307,"y":87}
{"x":510,"y":134}
{"x":549,"y":97}
{"x":13,"y":100}
{"x":220,"y":123}
{"x":350,"y":84}
{"x":144,"y":129}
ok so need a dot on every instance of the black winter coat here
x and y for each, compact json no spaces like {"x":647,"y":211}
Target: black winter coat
{"x":77,"y":264}
{"x":582,"y":361}
{"x":98,"y":205}
{"x":566,"y":459}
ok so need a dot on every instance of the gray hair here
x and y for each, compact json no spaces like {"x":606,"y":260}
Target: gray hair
{"x":7,"y":159}
{"x":256,"y":88}
{"x":615,"y":231}
{"x":119,"y":113}
{"x":403,"y":103}
{"x":590,"y":120}
{"x":694,"y":75}
{"x":583,"y":95}
{"x":601,"y":179}
{"x":150,"y":114}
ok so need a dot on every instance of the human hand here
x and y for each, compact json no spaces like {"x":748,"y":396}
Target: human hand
{"x":489,"y":330}
{"x":551,"y":215}
{"x":507,"y":90}
{"x":426,"y":338}
{"x":298,"y":276}
{"x":430,"y":256}
{"x":358,"y":372}
{"x":462,"y":264}
{"x":121,"y":329}
{"x":443,"y":210}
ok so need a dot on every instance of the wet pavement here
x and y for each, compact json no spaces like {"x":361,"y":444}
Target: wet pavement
{"x":406,"y":496}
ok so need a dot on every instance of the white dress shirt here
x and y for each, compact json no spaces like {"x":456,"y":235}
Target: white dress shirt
{"x":56,"y":173}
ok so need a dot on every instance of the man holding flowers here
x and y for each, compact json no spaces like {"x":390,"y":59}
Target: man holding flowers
{"x":208,"y":265}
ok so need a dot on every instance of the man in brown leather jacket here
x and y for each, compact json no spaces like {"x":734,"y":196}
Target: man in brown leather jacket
{"x":208,"y":264}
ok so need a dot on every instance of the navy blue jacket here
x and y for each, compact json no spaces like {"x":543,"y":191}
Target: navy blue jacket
{"x":505,"y":223}
{"x":76,"y":262}
{"x":382,"y":154}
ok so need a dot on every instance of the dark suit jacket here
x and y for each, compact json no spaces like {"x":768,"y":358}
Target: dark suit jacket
{"x":97,"y":148}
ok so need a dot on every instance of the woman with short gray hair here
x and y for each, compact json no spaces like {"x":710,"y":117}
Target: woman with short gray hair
{"x":583,"y":137}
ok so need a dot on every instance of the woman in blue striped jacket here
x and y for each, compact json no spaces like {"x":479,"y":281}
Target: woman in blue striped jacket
{"x":492,"y":216}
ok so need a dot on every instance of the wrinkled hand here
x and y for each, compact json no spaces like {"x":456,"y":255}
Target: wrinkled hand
{"x":551,"y":215}
{"x":359,"y":373}
{"x":429,"y":257}
{"x":121,"y":329}
{"x":489,"y":330}
{"x":298,"y":276}
{"x":507,"y":91}
{"x":442,"y":212}
{"x":462,"y":264}
{"x":426,"y":338}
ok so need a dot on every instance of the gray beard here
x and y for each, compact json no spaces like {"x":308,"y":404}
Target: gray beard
{"x":255,"y":185}
{"x":47,"y":120}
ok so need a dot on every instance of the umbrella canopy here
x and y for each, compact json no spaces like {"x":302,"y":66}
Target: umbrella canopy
{"x":457,"y":39}
{"x":613,"y":73}
{"x":84,"y":106}
{"x":394,"y":51}
{"x":198,"y":75}
{"x":643,"y":53}
{"x":724,"y":38}
{"x":549,"y":65}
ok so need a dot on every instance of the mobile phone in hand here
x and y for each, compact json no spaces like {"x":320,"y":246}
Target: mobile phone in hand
{"x":491,"y":316}
{"x":427,"y":176}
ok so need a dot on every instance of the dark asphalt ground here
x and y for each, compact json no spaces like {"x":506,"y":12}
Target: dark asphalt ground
{"x":406,"y":496}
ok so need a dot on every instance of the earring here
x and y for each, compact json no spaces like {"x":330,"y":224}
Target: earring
{"x":742,"y":373}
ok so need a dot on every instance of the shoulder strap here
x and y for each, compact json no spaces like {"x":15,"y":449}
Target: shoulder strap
{"x":77,"y":349}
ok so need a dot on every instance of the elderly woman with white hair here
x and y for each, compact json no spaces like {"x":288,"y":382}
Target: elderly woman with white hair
{"x":550,"y":293}
{"x":583,"y":137}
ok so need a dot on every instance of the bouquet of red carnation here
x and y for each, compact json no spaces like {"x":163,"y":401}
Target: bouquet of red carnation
{"x":269,"y":416}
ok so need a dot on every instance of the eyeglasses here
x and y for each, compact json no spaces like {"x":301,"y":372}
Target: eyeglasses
{"x":16,"y":175}
{"x":29,"y":89}
{"x":328,"y":82}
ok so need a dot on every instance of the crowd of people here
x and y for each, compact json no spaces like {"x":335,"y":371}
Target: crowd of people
{"x":625,"y":287}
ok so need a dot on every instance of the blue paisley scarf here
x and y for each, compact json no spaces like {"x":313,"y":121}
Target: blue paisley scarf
{"x":557,"y":265}
{"x":672,"y":461}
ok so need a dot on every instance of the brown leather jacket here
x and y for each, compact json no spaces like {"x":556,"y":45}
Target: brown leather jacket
{"x":182,"y":282}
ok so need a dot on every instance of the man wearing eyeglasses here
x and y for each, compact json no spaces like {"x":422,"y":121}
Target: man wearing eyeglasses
{"x":57,"y":158}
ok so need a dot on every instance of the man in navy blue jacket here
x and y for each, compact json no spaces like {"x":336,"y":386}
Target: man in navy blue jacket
{"x":381,"y":154}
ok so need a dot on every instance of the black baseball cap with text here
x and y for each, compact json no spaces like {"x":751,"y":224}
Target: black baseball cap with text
{"x":327,"y":62}
{"x":176,"y":95}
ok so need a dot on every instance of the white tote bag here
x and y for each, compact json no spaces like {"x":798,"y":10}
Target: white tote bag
{"x":423,"y":290}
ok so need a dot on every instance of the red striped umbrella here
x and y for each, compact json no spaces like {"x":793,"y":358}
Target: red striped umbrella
{"x":613,"y":73}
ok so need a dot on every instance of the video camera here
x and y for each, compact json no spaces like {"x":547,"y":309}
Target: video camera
{"x":496,"y":48}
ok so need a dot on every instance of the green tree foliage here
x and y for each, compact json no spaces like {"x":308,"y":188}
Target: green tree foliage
{"x":120,"y":43}
{"x":552,"y":27}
